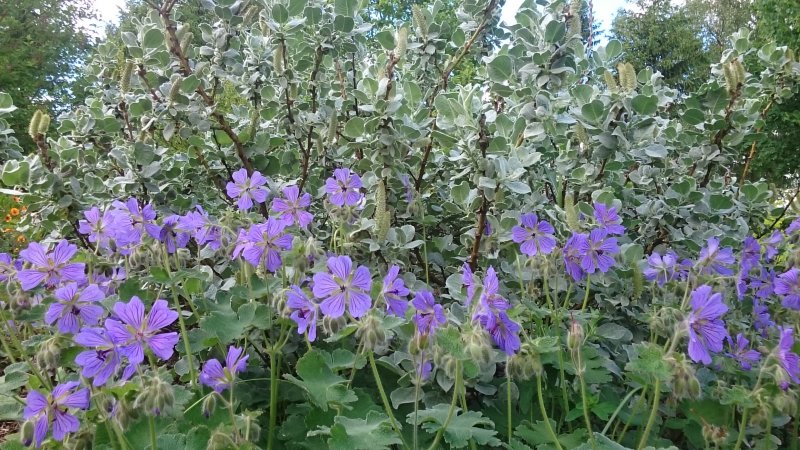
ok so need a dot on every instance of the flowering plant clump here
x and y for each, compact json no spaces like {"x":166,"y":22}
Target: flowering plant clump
{"x":283,"y":229}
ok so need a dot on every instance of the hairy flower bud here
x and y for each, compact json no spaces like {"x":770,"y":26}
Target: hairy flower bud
{"x":401,"y":43}
{"x":49,"y":354}
{"x":26,"y":433}
{"x":156,"y":396}
{"x":125,"y":77}
{"x":371,"y":333}
{"x":420,"y":22}
{"x":627,"y":77}
{"x":786,"y":402}
{"x":210,"y":404}
{"x":685,"y":384}
{"x":123,"y":413}
{"x":478,"y":346}
{"x":611,"y":82}
{"x":33,"y":126}
{"x":332,"y":326}
{"x":82,"y":440}
{"x":714,"y":434}
{"x":575,"y":335}
{"x":221,"y":440}
{"x":382,"y":217}
{"x":44,"y":123}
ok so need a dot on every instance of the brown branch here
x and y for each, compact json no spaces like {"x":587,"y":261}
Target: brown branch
{"x":752,"y":154}
{"x":720,"y":135}
{"x":123,"y":109}
{"x":783,"y":213}
{"x":483,"y":144}
{"x":142,"y":72}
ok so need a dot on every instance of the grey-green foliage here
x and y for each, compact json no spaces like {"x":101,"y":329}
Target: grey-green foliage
{"x":507,"y":144}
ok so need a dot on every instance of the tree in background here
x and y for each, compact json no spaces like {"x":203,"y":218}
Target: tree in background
{"x":43,"y":44}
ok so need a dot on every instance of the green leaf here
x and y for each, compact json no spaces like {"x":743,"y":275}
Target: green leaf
{"x":225,"y":325}
{"x":462,"y":427}
{"x":443,"y":107}
{"x":583,"y":92}
{"x":15,"y":173}
{"x":280,"y":13}
{"x":656,"y":151}
{"x":153,"y":38}
{"x":321,"y":384}
{"x":345,"y":7}
{"x":693,"y":116}
{"x":593,"y":111}
{"x":645,"y":105}
{"x":647,"y":362}
{"x":518,"y":187}
{"x":354,"y":127}
{"x":601,"y":443}
{"x":720,"y":203}
{"x":499,"y":69}
{"x":613,"y":49}
{"x":614,"y":332}
{"x":386,"y":39}
{"x":374,"y":432}
{"x":554,"y":31}
{"x":6,"y":103}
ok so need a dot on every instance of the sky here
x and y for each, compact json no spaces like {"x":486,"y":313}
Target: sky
{"x":604,"y":10}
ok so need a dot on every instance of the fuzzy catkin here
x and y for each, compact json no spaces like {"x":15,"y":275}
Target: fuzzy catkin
{"x":277,"y":58}
{"x":611,"y":82}
{"x":175,"y":89}
{"x":401,"y":43}
{"x":570,"y":214}
{"x":382,"y":216}
{"x":575,"y":17}
{"x":44,"y":123}
{"x":581,"y":134}
{"x":627,"y":76}
{"x":125,"y":77}
{"x":420,"y":22}
{"x":33,"y":126}
{"x":738,"y":70}
{"x":730,"y":77}
{"x":333,"y":123}
{"x":185,"y":40}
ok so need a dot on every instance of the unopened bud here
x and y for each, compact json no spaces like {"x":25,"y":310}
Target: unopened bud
{"x":26,"y":433}
{"x":575,"y":335}
{"x":332,"y":326}
{"x":714,"y":434}
{"x":49,"y":354}
{"x":156,"y":397}
{"x":221,"y":440}
{"x":209,"y":405}
{"x":685,"y":384}
{"x":785,"y":401}
{"x":478,"y":347}
{"x":371,"y":333}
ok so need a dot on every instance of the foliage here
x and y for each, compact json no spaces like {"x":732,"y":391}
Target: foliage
{"x":360,"y":252}
{"x":44,"y":43}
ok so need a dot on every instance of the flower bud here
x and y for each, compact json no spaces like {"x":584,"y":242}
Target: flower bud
{"x":123,"y":413}
{"x":685,"y":384}
{"x":156,"y":397}
{"x":221,"y":440}
{"x":417,"y":344}
{"x":26,"y":433}
{"x":714,"y":434}
{"x":209,"y":405}
{"x":82,"y":440}
{"x":478,"y":347}
{"x":371,"y":333}
{"x":49,"y":354}
{"x":785,"y":401}
{"x":332,"y":325}
{"x":575,"y":335}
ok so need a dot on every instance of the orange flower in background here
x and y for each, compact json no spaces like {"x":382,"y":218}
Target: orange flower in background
{"x":24,"y":208}
{"x":8,"y":217}
{"x":14,"y":211}
{"x":20,"y":238}
{"x":17,"y":199}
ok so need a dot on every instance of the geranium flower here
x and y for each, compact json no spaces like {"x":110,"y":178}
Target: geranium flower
{"x":607,"y":219}
{"x":762,"y":321}
{"x":491,"y":301}
{"x":714,"y":259}
{"x":54,"y":407}
{"x":49,"y":267}
{"x":142,"y":220}
{"x":787,"y":285}
{"x":171,"y":235}
{"x":794,"y":226}
{"x":291,"y":208}
{"x":504,"y":331}
{"x":218,"y":378}
{"x":468,"y":280}
{"x":74,"y":309}
{"x":265,"y":243}
{"x":102,"y":227}
{"x":304,"y":312}
{"x":102,"y":361}
{"x":198,"y":224}
{"x":534,"y":236}
{"x":771,"y":246}
{"x":740,"y":352}
{"x":394,"y":292}
{"x":789,"y":361}
{"x":663,"y":269}
{"x":247,"y":189}
{"x":133,"y":332}
{"x":430,"y":315}
{"x":596,"y":252}
{"x":573,"y":255}
{"x":344,"y":188}
{"x":8,"y":268}
{"x":751,"y":254}
{"x":706,"y":329}
{"x":343,"y":286}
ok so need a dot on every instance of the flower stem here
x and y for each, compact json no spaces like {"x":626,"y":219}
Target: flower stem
{"x":742,"y":427}
{"x":586,"y":409}
{"x":586,"y":295}
{"x":15,"y":340}
{"x":184,"y":334}
{"x":273,"y":397}
{"x":653,"y":414}
{"x":152,"y":423}
{"x":384,"y":399}
{"x":451,"y":412}
{"x":546,"y":419}
{"x":617,"y":411}
{"x":233,"y":414}
{"x":508,"y":403}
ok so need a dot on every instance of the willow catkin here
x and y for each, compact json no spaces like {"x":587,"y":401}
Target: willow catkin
{"x":401,"y":43}
{"x":125,"y":77}
{"x":570,"y":213}
{"x":730,"y":77}
{"x":627,"y":77}
{"x":175,"y":89}
{"x":33,"y":126}
{"x":420,"y":22}
{"x":44,"y":123}
{"x":611,"y":82}
{"x":249,"y":13}
{"x":185,"y":40}
{"x":333,"y":123}
{"x":277,"y":58}
{"x":581,"y":134}
{"x":575,"y":17}
{"x":382,"y":216}
{"x":738,"y":70}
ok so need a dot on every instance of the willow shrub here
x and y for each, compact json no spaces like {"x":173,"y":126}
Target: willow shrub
{"x":301,"y":234}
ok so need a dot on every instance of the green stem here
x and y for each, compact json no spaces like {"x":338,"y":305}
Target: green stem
{"x":273,"y":397}
{"x":385,"y":399}
{"x":768,"y":432}
{"x":742,"y":427}
{"x":508,"y":404}
{"x":451,"y":412}
{"x":184,"y":334}
{"x":586,"y":295}
{"x":15,"y":340}
{"x":153,"y":441}
{"x":7,"y":349}
{"x":233,"y":414}
{"x":546,"y":419}
{"x":634,"y":411}
{"x":586,"y":408}
{"x":653,"y":414}
{"x":619,"y":408}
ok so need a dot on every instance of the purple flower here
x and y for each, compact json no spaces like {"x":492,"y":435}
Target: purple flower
{"x":534,"y":236}
{"x":291,"y":209}
{"x":771,"y":249}
{"x":341,"y":285}
{"x":102,"y":361}
{"x":607,"y":219}
{"x":264,"y":244}
{"x":788,"y":285}
{"x":409,"y":188}
{"x":304,"y":312}
{"x":762,"y":321}
{"x":141,"y":220}
{"x":714,"y":259}
{"x":663,"y":269}
{"x":491,"y":301}
{"x":132,"y":332}
{"x":8,"y":267}
{"x":424,"y":370}
{"x":172,"y":235}
{"x":41,"y":410}
{"x":504,"y":331}
{"x":394,"y":292}
{"x":218,"y":378}
{"x":469,"y":281}
{"x":596,"y":252}
{"x":73,"y":309}
{"x":344,"y":188}
{"x":789,"y":361}
{"x":794,"y":226}
{"x":49,"y":267}
{"x":706,"y":329}
{"x":101,"y":228}
{"x":247,"y":189}
{"x":198,"y":225}
{"x":573,"y":255}
{"x":751,"y":254}
{"x":430,"y":315}
{"x":740,"y":353}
